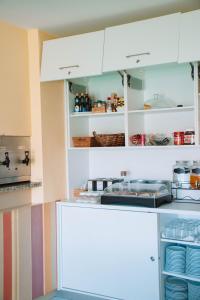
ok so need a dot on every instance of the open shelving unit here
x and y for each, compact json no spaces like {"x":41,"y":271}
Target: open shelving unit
{"x":173,"y":82}
{"x":164,"y":242}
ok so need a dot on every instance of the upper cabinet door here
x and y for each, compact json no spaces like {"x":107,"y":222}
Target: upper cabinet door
{"x":143,"y":43}
{"x":74,"y":56}
{"x":189,"y":47}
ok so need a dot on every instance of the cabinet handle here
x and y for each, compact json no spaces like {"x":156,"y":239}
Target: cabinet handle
{"x":152,"y":258}
{"x":137,"y":54}
{"x":69,"y":67}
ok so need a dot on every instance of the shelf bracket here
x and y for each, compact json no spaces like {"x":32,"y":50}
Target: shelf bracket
{"x":192,"y":70}
{"x":132,"y":82}
{"x":76,"y":88}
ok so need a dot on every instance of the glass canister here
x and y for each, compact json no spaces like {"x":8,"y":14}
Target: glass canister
{"x":189,"y":137}
{"x":195,"y":175}
{"x":181,"y":173}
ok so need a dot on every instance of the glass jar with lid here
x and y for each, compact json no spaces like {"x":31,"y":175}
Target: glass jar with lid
{"x":181,"y":173}
{"x":189,"y":137}
{"x":195,"y":175}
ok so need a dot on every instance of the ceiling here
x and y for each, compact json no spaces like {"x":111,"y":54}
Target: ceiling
{"x":68,"y":17}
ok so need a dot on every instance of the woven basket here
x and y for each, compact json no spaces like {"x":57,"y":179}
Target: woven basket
{"x":87,"y":141}
{"x":109,"y":140}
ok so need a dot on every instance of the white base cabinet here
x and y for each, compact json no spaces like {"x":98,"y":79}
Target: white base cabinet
{"x":109,"y":253}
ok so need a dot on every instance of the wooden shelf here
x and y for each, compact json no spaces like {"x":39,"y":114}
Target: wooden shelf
{"x":160,"y":110}
{"x":183,"y":276}
{"x":180,"y":242}
{"x":91,"y":114}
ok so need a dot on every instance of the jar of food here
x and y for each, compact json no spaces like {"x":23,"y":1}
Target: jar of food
{"x":195,"y":175}
{"x":181,"y":173}
{"x":138,"y":139}
{"x":179,"y":138}
{"x":189,"y":138}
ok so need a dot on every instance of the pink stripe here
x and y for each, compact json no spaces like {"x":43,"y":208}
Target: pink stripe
{"x":7,"y":240}
{"x":37,"y":251}
{"x":56,"y":237}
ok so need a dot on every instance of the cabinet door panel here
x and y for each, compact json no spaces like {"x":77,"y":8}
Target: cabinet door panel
{"x":142,"y":43}
{"x":189,"y":46}
{"x":109,"y":253}
{"x":71,"y":57}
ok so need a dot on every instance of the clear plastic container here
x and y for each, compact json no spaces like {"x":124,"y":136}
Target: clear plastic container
{"x":138,"y":189}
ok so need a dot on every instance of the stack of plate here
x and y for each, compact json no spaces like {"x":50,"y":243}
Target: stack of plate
{"x":193,"y":290}
{"x":176,"y":289}
{"x":193,"y":261}
{"x":175,"y":259}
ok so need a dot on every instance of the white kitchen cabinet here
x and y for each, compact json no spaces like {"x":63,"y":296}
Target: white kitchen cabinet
{"x":142,"y":43}
{"x":109,"y":253}
{"x":189,"y":45}
{"x":74,"y":56}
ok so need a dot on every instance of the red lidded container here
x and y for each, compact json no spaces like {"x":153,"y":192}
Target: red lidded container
{"x":179,"y":138}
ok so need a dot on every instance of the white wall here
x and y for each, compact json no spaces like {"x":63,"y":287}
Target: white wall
{"x":141,"y":163}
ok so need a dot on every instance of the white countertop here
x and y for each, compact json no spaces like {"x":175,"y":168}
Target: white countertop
{"x":170,"y":208}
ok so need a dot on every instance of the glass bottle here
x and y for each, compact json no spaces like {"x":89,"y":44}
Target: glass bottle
{"x":77,"y":103}
{"x":109,"y":105}
{"x":195,"y":175}
{"x":82,"y":100}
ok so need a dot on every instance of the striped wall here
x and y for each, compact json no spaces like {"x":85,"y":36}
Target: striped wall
{"x":28,"y":252}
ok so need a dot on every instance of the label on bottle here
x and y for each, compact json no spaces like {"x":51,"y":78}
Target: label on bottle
{"x":90,"y":185}
{"x":99,"y":185}
{"x":76,"y":108}
{"x":189,"y":139}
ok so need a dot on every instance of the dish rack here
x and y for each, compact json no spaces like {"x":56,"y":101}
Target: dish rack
{"x":184,"y":193}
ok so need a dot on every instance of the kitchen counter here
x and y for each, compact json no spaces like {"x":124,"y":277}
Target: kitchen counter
{"x":18,"y":186}
{"x":120,"y":237}
{"x":170,"y":208}
{"x":17,"y":194}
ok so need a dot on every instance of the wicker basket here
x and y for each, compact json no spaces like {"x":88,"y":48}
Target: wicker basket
{"x":109,"y":140}
{"x":87,"y":141}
